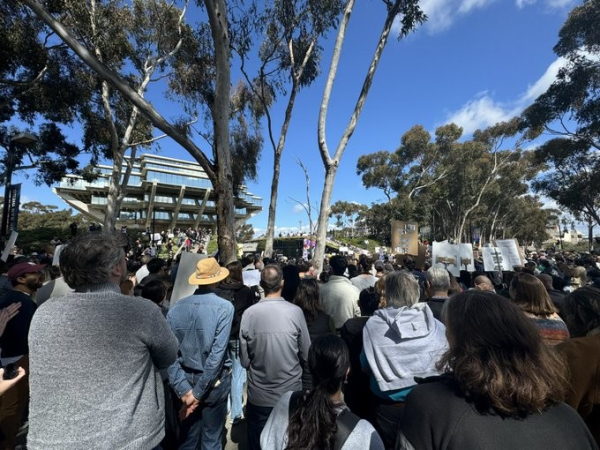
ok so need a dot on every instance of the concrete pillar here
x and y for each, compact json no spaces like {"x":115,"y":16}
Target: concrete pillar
{"x":177,"y":208}
{"x":151,"y":204}
{"x":202,"y":208}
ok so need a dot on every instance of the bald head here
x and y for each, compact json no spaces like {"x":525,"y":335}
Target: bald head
{"x":483,"y":283}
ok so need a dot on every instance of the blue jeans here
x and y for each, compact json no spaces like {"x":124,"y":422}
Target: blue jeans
{"x":256,"y":419}
{"x":238,"y":378}
{"x":203,"y":429}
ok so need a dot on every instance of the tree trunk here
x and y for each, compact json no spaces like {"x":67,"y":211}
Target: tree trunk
{"x":324,"y":216}
{"x":220,"y":109}
{"x":273,"y":205}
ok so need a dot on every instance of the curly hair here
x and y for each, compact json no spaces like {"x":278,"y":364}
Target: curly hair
{"x":498,"y":358}
{"x":90,"y":258}
{"x":313,"y":423}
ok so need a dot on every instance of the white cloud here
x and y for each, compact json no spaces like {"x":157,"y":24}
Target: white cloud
{"x":441,"y":14}
{"x":298,"y":208}
{"x":484,"y":111}
{"x":481,"y":112}
{"x":544,"y":82}
{"x":554,"y":4}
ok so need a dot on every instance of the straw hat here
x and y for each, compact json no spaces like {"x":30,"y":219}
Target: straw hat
{"x":208,"y":271}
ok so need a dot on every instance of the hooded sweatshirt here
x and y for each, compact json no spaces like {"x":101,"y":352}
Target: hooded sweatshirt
{"x":403,"y":343}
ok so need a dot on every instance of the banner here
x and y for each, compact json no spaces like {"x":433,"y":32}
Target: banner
{"x":187,"y":266}
{"x":511,"y":252}
{"x":14,"y":200}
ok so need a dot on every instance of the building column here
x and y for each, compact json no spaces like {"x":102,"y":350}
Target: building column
{"x":151,"y":205}
{"x":177,"y":208}
{"x":202,"y":208}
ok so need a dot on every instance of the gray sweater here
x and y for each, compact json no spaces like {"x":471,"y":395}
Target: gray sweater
{"x":94,"y":360}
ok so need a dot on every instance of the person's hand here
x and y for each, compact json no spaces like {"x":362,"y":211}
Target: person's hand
{"x":8,"y":313}
{"x":5,"y":385}
{"x":190,"y":403}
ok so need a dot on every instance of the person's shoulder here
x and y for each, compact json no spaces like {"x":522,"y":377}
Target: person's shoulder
{"x":433,"y":388}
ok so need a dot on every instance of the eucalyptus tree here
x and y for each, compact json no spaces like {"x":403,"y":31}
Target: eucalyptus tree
{"x":410,"y":15}
{"x":289,"y":59}
{"x":210,"y":70}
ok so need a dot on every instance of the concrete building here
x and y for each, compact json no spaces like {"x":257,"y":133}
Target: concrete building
{"x":163,"y":193}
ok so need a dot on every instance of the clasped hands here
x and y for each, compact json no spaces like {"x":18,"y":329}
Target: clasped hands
{"x":190,"y":403}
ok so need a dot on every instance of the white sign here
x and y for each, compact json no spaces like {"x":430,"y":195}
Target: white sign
{"x":9,"y":245}
{"x":187,"y":266}
{"x":453,"y":257}
{"x":510,"y":249}
{"x":495,"y":259}
{"x":250,"y":247}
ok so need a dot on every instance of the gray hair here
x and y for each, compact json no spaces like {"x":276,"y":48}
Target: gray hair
{"x":438,"y":279}
{"x":401,"y":289}
{"x":89,"y":259}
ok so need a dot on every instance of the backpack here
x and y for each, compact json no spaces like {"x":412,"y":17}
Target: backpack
{"x":345,"y":421}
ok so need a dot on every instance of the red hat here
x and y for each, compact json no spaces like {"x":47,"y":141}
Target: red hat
{"x":23,"y":268}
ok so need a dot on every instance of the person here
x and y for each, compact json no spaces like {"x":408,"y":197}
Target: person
{"x":143,"y":271}
{"x":581,"y":354}
{"x":95,"y":356}
{"x":531,"y":296}
{"x":6,"y":314}
{"x":357,"y":389}
{"x":557,"y":297}
{"x":339,"y":297}
{"x":313,"y":419}
{"x":291,"y":280}
{"x":274,"y":343}
{"x":201,"y":375}
{"x":156,"y":291}
{"x":400,"y":342}
{"x":26,"y":278}
{"x":365,"y":278}
{"x":483,"y":283}
{"x":437,"y":286}
{"x":308,"y":299}
{"x":501,"y":388}
{"x":233,"y":289}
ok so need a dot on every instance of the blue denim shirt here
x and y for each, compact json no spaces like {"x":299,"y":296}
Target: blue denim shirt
{"x":202,"y":324}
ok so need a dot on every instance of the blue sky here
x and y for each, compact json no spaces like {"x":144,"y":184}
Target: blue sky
{"x":475,"y":62}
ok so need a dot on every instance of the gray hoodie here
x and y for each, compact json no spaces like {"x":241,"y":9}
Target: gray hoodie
{"x":403,"y":343}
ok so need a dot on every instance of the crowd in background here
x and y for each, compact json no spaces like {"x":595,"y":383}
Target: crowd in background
{"x":366,"y":353}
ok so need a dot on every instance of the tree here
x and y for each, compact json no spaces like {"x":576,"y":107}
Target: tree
{"x":38,"y":76}
{"x":216,"y":88}
{"x":347,"y":213}
{"x":572,"y":177}
{"x":571,"y":105}
{"x":52,"y":156}
{"x":411,"y":15}
{"x":289,"y":55}
{"x":244,"y":232}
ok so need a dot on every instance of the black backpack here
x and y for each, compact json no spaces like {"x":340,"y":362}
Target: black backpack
{"x":346,"y":421}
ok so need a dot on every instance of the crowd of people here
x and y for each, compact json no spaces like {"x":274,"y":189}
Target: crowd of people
{"x":366,"y":354}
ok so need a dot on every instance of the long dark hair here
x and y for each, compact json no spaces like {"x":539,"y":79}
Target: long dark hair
{"x":235,"y":273}
{"x":582,"y":310}
{"x":313,"y":423}
{"x":498,"y":358}
{"x":307,"y":298}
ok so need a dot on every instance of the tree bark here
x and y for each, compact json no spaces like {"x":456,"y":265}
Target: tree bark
{"x":220,"y":109}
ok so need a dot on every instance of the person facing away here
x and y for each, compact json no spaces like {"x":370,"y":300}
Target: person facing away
{"x":201,"y":375}
{"x":25,"y":278}
{"x":274,"y":343}
{"x":95,"y":357}
{"x":501,"y":388}
{"x":339,"y":296}
{"x":400,"y":342}
{"x":531,"y":296}
{"x":319,"y":418}
{"x":233,"y":289}
{"x":437,"y":285}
